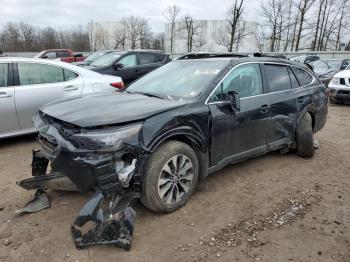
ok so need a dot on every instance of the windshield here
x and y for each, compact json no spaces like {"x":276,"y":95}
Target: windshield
{"x":106,"y":60}
{"x":179,"y":79}
{"x":334,"y":64}
{"x":94,"y":56}
{"x":40,"y":54}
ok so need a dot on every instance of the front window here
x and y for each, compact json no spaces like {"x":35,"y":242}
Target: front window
{"x":51,"y":55}
{"x":128,"y":61}
{"x":245,"y":80}
{"x":106,"y":60}
{"x":180,"y":79}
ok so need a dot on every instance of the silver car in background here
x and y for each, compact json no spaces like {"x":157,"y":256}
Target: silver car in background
{"x":27,"y":84}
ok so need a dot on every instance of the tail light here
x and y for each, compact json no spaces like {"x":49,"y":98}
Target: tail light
{"x":119,"y":85}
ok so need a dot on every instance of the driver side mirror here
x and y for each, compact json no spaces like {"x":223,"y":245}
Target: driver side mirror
{"x":234,"y":101}
{"x":117,"y":66}
{"x":44,"y":57}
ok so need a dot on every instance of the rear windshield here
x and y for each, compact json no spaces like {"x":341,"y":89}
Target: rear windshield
{"x":179,"y":79}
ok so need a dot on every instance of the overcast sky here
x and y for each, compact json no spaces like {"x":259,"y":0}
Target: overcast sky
{"x":66,"y":13}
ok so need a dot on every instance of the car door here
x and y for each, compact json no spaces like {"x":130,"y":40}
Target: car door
{"x":283,"y":100}
{"x":130,"y":70}
{"x":39,"y":84}
{"x":148,"y":62}
{"x":240,"y":134}
{"x":9,"y":121}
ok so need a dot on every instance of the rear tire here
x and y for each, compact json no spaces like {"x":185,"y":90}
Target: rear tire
{"x":171,"y":176}
{"x":305,"y":135}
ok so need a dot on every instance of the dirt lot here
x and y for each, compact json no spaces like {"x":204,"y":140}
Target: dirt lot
{"x":273,"y":208}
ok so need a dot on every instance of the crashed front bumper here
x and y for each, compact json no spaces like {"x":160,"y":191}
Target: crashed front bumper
{"x":92,"y":170}
{"x":111,"y":175}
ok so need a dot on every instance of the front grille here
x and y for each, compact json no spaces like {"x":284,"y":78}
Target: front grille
{"x":342,"y":81}
{"x":48,"y":147}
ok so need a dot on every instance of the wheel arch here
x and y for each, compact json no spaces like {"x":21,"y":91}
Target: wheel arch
{"x":194,"y":140}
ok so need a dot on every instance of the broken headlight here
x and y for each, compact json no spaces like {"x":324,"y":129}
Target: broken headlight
{"x":107,"y":140}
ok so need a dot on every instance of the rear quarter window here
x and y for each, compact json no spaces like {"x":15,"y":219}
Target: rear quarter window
{"x":304,"y":78}
{"x":69,"y":75}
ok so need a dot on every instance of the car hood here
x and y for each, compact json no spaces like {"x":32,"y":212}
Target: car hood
{"x":95,"y":68}
{"x":108,"y":108}
{"x":82,"y":63}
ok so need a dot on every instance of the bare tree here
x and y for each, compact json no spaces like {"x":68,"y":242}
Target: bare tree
{"x":344,"y":6}
{"x":171,"y":14}
{"x":304,"y":7}
{"x":272,"y":11}
{"x":158,"y":41}
{"x":234,"y":16}
{"x":192,"y":31}
{"x":235,"y":31}
{"x":120,"y":35}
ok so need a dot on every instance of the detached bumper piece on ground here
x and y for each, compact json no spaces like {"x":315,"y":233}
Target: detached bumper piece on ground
{"x":98,"y":223}
{"x":114,"y":227}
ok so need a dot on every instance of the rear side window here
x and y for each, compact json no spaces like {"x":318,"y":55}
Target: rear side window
{"x":62,"y":54}
{"x":32,"y":74}
{"x":69,"y":75}
{"x":304,"y":78}
{"x":3,"y":75}
{"x":277,"y":78}
{"x":147,"y":58}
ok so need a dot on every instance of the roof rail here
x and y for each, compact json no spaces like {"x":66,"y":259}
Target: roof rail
{"x":270,"y":56}
{"x":209,"y":55}
{"x":147,"y":50}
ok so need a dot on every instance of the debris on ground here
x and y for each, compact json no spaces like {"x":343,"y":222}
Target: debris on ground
{"x":246,"y":231}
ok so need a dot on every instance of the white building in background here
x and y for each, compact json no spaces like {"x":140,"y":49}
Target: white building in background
{"x":209,"y":35}
{"x":110,"y":35}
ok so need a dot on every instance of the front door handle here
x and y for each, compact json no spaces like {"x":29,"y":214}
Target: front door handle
{"x":70,"y":88}
{"x":4,"y":95}
{"x":265,"y":109}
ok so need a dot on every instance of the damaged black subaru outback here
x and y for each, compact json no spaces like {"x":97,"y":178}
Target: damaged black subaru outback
{"x":168,"y":130}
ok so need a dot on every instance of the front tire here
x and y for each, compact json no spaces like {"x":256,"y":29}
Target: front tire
{"x":171,"y":176}
{"x":305,"y":135}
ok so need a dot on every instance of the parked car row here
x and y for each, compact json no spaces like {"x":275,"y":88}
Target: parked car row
{"x":27,"y":84}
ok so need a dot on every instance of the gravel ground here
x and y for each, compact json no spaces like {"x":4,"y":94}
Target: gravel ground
{"x":272,"y":208}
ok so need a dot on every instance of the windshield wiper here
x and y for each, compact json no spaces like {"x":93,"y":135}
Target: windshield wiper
{"x":148,"y":94}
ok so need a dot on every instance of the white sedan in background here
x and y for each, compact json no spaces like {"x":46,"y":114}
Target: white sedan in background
{"x":27,"y":84}
{"x":339,"y":87}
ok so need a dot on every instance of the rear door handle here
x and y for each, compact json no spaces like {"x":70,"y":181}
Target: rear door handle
{"x":265,"y":109}
{"x":4,"y":95}
{"x":70,"y":88}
